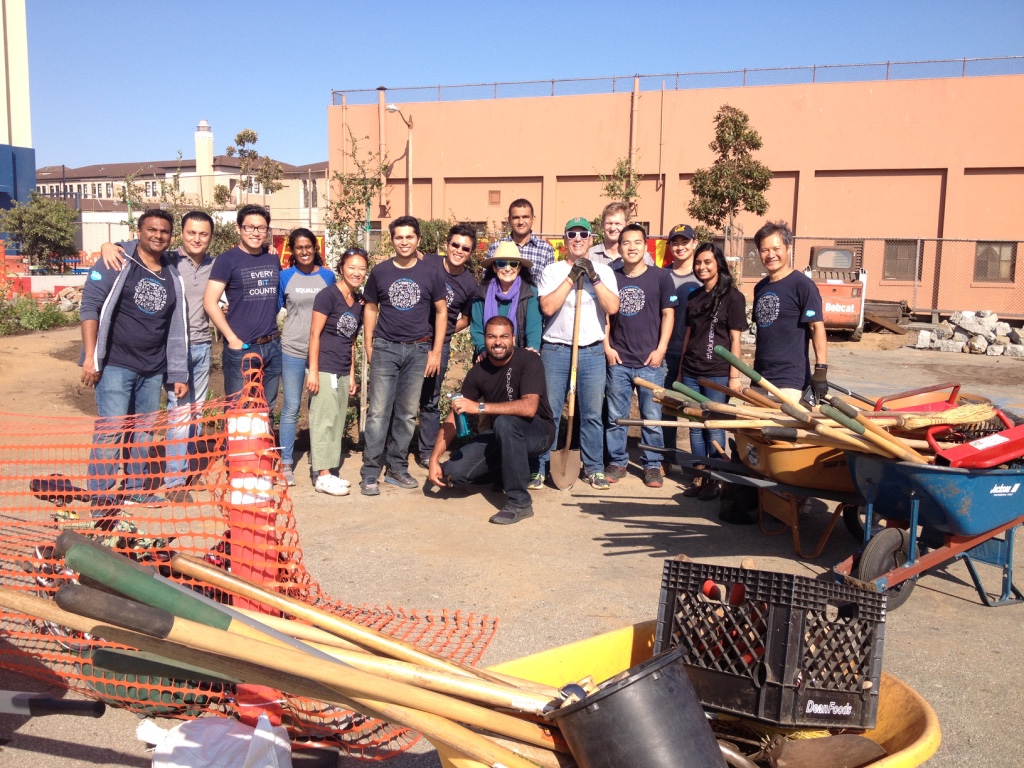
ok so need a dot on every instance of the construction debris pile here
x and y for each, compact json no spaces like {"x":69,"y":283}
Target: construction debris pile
{"x":978,"y":333}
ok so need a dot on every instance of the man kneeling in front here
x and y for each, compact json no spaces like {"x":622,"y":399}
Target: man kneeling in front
{"x":507,"y":388}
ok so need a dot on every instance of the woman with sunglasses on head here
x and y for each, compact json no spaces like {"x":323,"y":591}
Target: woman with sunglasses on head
{"x":331,"y":381}
{"x":507,"y":283}
{"x":305,"y":277}
{"x":716,"y":314}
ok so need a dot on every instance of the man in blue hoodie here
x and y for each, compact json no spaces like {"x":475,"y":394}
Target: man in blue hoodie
{"x":135,"y":338}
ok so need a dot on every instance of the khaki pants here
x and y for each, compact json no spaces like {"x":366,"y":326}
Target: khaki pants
{"x":327,"y":411}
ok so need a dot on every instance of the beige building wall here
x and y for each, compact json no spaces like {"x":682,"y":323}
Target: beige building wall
{"x":16,"y":120}
{"x":910,"y":157}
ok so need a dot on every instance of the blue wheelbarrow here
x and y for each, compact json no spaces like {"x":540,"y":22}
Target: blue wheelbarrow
{"x":933,"y":515}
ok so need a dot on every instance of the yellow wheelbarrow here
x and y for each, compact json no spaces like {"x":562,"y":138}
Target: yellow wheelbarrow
{"x":906,"y":726}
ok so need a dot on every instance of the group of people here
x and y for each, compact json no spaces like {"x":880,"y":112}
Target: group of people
{"x":146,"y":317}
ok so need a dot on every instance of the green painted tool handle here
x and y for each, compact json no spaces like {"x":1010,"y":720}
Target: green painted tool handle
{"x":738,"y":364}
{"x":68,"y":539}
{"x":117,"y":572}
{"x":782,"y":434}
{"x":118,"y":611}
{"x":841,"y":418}
{"x":678,"y":386}
{"x":124,"y":662}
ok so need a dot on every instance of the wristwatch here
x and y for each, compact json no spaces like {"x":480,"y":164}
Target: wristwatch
{"x":480,"y":407}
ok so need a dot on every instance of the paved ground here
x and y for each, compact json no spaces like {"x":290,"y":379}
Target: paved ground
{"x":591,"y":561}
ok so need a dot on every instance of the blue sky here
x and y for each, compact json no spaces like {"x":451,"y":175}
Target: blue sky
{"x":118,"y":81}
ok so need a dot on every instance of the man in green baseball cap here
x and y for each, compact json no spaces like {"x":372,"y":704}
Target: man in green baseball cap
{"x":600,"y":298}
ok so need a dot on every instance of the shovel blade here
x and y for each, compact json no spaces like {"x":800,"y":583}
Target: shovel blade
{"x":565,"y":468}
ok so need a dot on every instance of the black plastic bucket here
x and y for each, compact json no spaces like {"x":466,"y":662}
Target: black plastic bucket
{"x":651,"y":718}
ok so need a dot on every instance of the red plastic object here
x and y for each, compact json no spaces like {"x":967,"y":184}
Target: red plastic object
{"x":985,"y":452}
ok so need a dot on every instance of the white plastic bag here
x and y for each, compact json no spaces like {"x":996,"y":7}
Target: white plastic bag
{"x":217,"y":742}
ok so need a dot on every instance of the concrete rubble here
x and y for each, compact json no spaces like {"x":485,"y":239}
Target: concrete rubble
{"x":976,"y":333}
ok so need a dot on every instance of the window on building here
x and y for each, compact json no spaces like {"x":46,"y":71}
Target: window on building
{"x":313,"y":194}
{"x":304,"y":194}
{"x":900,"y":260}
{"x":494,"y":197}
{"x":110,"y":189}
{"x":79,"y":186}
{"x":995,"y":262}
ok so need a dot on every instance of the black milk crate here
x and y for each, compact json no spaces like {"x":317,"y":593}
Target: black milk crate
{"x":778,"y":648}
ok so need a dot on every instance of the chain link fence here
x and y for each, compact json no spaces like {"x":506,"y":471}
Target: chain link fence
{"x":930,"y":275}
{"x":734,"y":78}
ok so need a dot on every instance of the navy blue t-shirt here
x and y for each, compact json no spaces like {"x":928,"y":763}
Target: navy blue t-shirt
{"x":250,"y":284}
{"x":142,"y":320}
{"x":404,"y":299}
{"x":783,"y":312}
{"x":343,"y":323}
{"x":459,"y":292}
{"x":683,"y":285}
{"x":636,"y":329}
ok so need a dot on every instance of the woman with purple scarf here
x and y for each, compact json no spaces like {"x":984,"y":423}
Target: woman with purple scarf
{"x":507,"y":284}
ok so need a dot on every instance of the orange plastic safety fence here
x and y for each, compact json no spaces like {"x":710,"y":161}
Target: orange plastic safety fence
{"x":202,"y":482}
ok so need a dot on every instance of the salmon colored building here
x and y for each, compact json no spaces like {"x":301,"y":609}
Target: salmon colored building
{"x":919,"y":175}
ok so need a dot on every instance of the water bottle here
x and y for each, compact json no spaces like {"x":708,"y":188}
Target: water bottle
{"x":461,"y":422}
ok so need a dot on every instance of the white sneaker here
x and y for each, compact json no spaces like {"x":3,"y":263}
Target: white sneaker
{"x":331,"y":485}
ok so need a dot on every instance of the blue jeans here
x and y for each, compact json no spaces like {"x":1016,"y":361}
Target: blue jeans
{"x":270,"y":353}
{"x":430,"y":414}
{"x":590,"y":375}
{"x":293,"y":383}
{"x":183,"y":411}
{"x":619,"y":393}
{"x":671,"y":376}
{"x":701,"y":439}
{"x":393,"y":392}
{"x":121,"y":393}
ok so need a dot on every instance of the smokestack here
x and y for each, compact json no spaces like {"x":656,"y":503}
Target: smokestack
{"x":204,"y":149}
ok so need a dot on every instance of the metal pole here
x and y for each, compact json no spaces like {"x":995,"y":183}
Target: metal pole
{"x":408,"y":165}
{"x":917,"y":271}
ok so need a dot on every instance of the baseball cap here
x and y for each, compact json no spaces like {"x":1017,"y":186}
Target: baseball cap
{"x":681,"y":230}
{"x":578,"y":222}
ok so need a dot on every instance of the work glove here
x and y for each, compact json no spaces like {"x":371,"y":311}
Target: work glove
{"x":577,"y":272}
{"x":819,"y":382}
{"x":588,"y":267}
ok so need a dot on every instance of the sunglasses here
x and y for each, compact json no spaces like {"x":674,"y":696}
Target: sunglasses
{"x":506,"y":264}
{"x":577,"y":234}
{"x":459,"y":247}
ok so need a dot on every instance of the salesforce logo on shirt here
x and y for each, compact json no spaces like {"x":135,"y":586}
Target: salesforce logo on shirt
{"x":766,"y":311}
{"x":150,"y":296}
{"x":347,"y":325}
{"x":404,"y":294}
{"x":631,"y":300}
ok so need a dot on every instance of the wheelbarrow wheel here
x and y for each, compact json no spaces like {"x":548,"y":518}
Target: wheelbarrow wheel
{"x":886,"y":551}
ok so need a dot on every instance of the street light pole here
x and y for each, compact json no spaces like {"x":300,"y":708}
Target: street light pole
{"x":408,"y":158}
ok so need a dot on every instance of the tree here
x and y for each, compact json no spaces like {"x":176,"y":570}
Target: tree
{"x":45,"y":228}
{"x":254,"y":167}
{"x":623,"y":184}
{"x":735,"y":180}
{"x":354,"y":192}
{"x":178,"y":203}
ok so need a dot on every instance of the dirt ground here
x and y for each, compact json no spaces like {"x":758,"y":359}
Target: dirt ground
{"x":588,"y":562}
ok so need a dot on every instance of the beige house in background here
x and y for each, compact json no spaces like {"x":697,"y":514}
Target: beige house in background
{"x":96,"y":190}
